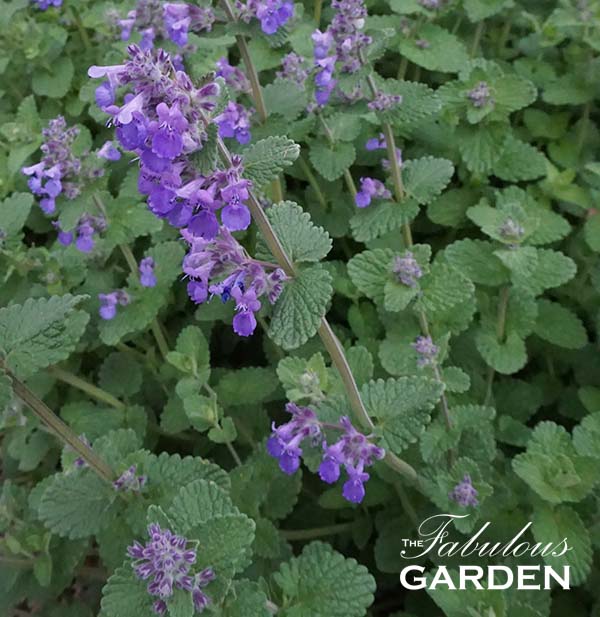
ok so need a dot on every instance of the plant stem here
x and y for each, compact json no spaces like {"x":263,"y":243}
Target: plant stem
{"x":317,"y":12}
{"x":330,"y":139}
{"x":257,"y":93}
{"x":330,"y":341}
{"x":313,"y":182}
{"x":400,"y":195}
{"x":585,"y":117}
{"x":159,"y":336}
{"x":85,"y":386}
{"x":85,"y":39}
{"x":500,"y":335}
{"x":477,"y":38}
{"x":316,"y":532}
{"x":59,"y":428}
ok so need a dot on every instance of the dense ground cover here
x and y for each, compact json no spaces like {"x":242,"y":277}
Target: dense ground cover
{"x":282,"y":280}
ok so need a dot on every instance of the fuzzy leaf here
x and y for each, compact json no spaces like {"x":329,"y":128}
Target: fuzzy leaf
{"x":445,"y":53}
{"x":299,"y":310}
{"x":331,"y":161}
{"x":124,"y":594}
{"x":558,"y":325}
{"x":426,"y":178}
{"x":265,"y":160}
{"x":370,"y":270}
{"x":380,"y":218}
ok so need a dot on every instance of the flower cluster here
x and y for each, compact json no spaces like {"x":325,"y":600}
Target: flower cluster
{"x":234,"y":121}
{"x":324,"y":61}
{"x":407,"y":269}
{"x":511,"y":230}
{"x":481,"y":95}
{"x":130,"y":481}
{"x":83,"y":234}
{"x":352,"y":450}
{"x":370,"y":189}
{"x":383,"y":101}
{"x":272,"y":14}
{"x":153,"y":18}
{"x":163,"y":122}
{"x":293,"y":68}
{"x":43,"y":5}
{"x":464,"y":493}
{"x":426,"y":350}
{"x":59,"y":170}
{"x":110,"y":301}
{"x":220,"y":266}
{"x":234,"y":77}
{"x":379,"y":143}
{"x":166,"y":559}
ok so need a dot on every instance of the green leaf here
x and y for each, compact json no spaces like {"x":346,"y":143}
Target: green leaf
{"x":426,"y":178}
{"x":300,"y":237}
{"x":55,"y":82}
{"x":322,"y":583}
{"x":40,"y":332}
{"x":591,"y":232}
{"x":443,"y":288}
{"x":76,"y":505}
{"x":586,"y":436}
{"x":478,"y":10}
{"x":264,"y":160}
{"x":286,"y":98}
{"x":180,"y":604}
{"x":506,"y":357}
{"x":445,"y":53}
{"x":191,"y":353}
{"x":402,"y":408}
{"x":560,"y":326}
{"x":380,"y":218}
{"x":247,"y":599}
{"x":246,"y":386}
{"x":520,"y":161}
{"x":553,"y":468}
{"x":331,"y":161}
{"x":555,"y":525}
{"x":14,"y":211}
{"x":125,"y":595}
{"x":370,"y":271}
{"x":481,"y":146}
{"x":477,"y":261}
{"x":299,"y":310}
{"x":114,"y":367}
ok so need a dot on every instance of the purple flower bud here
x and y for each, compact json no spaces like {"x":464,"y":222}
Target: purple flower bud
{"x":130,"y":481}
{"x":384,"y":102}
{"x":407,"y":269}
{"x":371,"y":188}
{"x":481,"y":95}
{"x":426,"y":351}
{"x":147,"y":277}
{"x":464,"y":493}
{"x":109,"y":152}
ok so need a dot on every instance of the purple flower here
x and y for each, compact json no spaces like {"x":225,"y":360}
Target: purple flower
{"x":370,"y":189}
{"x":109,"y":152}
{"x":46,"y":4}
{"x":109,"y":302}
{"x":376,"y":143}
{"x":79,"y":462}
{"x":284,"y":443}
{"x":481,"y":95}
{"x":464,"y":493}
{"x":383,"y":101}
{"x":130,"y":481}
{"x":407,"y":269}
{"x":426,"y":351}
{"x":272,"y":14}
{"x":65,"y":238}
{"x":233,"y":76}
{"x":293,"y":68}
{"x":180,"y":18}
{"x":147,"y":277}
{"x":166,"y":560}
{"x":244,"y":323}
{"x":234,"y":121}
{"x":431,"y":4}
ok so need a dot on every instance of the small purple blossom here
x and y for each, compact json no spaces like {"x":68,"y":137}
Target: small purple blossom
{"x":234,"y":121}
{"x":43,"y":5}
{"x":480,"y":95}
{"x":464,"y":493}
{"x":130,"y":481}
{"x":422,"y":43}
{"x":431,"y":4}
{"x":109,"y":152}
{"x":272,"y":14}
{"x":376,"y":143}
{"x":370,"y":189}
{"x":353,"y":451}
{"x":384,"y":102}
{"x":110,"y":301}
{"x":407,"y":269}
{"x":147,"y":276}
{"x":511,"y":230}
{"x":234,"y":77}
{"x":80,"y":462}
{"x":426,"y":350}
{"x":166,"y":560}
{"x":293,"y":68}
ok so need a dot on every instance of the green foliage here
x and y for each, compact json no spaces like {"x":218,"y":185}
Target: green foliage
{"x":264,"y":160}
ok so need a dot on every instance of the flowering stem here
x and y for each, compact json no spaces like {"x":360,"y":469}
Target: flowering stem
{"x":316,"y":532}
{"x":59,"y":428}
{"x":500,"y":335}
{"x":329,"y":135}
{"x":159,"y":336}
{"x":84,"y":386}
{"x":313,"y":182}
{"x":330,"y":341}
